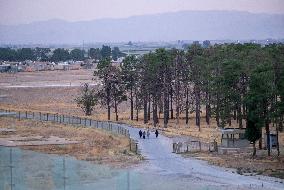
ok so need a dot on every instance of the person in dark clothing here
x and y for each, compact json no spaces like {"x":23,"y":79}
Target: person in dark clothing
{"x":140,"y":134}
{"x":144,"y":135}
{"x":157,"y":133}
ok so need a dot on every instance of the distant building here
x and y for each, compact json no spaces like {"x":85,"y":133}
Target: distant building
{"x":5,"y":68}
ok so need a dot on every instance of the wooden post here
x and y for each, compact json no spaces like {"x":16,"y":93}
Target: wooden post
{"x":136,"y":147}
{"x":40,"y":116}
{"x":26,"y":115}
{"x":47,"y":117}
{"x":90,"y":122}
{"x":199,"y":145}
{"x":19,"y":115}
{"x":85,"y":122}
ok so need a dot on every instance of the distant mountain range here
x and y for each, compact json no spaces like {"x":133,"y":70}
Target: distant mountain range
{"x":184,"y":25}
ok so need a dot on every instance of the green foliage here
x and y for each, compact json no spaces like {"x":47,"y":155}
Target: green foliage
{"x":87,"y":99}
{"x":105,"y":52}
{"x":95,"y":53}
{"x":60,"y":54}
{"x":116,"y":53}
{"x":25,"y":54}
{"x":7,"y":54}
{"x":77,"y":54}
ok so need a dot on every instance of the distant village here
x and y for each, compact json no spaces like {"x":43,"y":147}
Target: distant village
{"x":44,"y":59}
{"x":33,"y":66}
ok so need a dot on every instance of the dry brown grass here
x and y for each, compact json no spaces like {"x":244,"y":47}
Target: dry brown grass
{"x":270,"y":166}
{"x":95,"y":145}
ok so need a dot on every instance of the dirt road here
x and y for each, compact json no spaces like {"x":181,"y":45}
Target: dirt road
{"x":161,"y":160}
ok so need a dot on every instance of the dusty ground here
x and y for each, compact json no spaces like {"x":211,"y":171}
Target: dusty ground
{"x":94,"y":145}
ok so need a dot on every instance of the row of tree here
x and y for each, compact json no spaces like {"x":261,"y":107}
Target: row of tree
{"x":59,"y":54}
{"x":244,"y":83}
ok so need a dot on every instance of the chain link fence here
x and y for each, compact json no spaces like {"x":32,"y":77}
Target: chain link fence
{"x":108,"y":126}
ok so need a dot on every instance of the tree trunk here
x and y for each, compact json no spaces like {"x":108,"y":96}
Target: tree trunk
{"x":239,"y":116}
{"x":137,"y":113}
{"x":267,"y":137}
{"x":115,"y":109}
{"x":108,"y":111}
{"x":131,"y":103}
{"x":155,"y":112}
{"x":208,"y":108}
{"x":218,"y":111}
{"x":145,"y":110}
{"x":197,"y":107}
{"x":108,"y":103}
{"x":277,"y":140}
{"x":166,"y":108}
{"x":172,"y":110}
{"x":260,"y":141}
{"x":186,"y":107}
{"x":254,"y":150}
{"x":149,"y":107}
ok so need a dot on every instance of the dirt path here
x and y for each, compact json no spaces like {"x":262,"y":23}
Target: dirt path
{"x":161,"y":160}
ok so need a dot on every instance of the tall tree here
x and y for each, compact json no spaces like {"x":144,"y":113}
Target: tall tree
{"x":95,"y":53}
{"x":129,"y":77}
{"x":105,"y":52}
{"x":77,"y":54}
{"x":60,"y":54}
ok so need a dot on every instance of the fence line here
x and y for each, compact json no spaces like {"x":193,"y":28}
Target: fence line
{"x":75,"y":120}
{"x":193,"y":146}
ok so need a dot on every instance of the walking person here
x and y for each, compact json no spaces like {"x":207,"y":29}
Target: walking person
{"x":157,"y":133}
{"x":148,"y":133}
{"x":144,"y":134}
{"x":140,"y":133}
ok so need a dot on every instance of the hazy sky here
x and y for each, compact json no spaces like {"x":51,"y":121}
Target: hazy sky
{"x":26,"y":11}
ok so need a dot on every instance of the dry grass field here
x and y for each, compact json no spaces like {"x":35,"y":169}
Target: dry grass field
{"x":61,"y":100}
{"x":94,"y":144}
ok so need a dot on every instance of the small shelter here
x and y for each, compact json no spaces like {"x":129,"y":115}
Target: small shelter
{"x":233,"y":138}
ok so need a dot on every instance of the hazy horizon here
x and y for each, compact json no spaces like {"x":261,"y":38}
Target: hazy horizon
{"x":14,"y":12}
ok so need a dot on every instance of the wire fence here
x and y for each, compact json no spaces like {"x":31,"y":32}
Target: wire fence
{"x":194,"y":146}
{"x":108,"y":126}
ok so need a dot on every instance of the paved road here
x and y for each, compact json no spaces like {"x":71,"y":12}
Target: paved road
{"x":161,"y":160}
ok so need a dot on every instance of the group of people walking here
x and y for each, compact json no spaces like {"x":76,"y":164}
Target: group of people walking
{"x":144,"y":133}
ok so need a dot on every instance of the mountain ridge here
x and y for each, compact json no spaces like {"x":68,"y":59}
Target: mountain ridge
{"x":181,"y":25}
